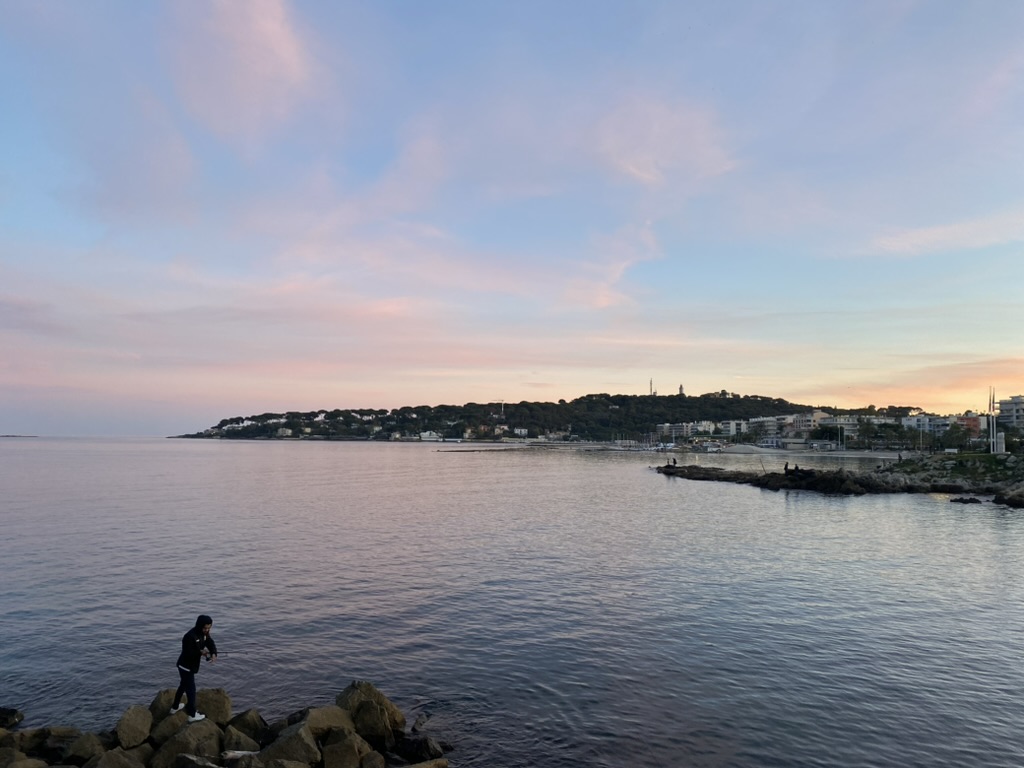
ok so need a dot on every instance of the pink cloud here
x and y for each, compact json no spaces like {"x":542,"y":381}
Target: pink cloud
{"x":653,"y":141}
{"x":600,"y":284}
{"x":240,"y":68}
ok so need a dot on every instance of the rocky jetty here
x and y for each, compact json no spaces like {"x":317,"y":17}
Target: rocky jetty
{"x":1000,"y":476}
{"x":362,"y":729}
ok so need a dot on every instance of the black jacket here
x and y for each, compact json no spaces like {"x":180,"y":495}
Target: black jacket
{"x":193,"y":644}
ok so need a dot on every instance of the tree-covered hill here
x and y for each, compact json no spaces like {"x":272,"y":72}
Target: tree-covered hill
{"x":591,"y":417}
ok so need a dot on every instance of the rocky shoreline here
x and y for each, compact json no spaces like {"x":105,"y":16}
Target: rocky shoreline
{"x":999,"y":476}
{"x":362,"y":729}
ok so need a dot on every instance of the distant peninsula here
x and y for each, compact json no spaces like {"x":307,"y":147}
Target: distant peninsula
{"x":625,"y":420}
{"x":596,"y":417}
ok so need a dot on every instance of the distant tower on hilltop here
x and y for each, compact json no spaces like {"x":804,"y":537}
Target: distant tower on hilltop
{"x":681,"y":390}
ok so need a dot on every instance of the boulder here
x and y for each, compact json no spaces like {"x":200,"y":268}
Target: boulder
{"x":295,"y":744}
{"x":83,"y":749}
{"x":167,"y":727}
{"x":143,"y":753}
{"x":417,"y":749}
{"x":28,"y":741}
{"x":360,"y":690}
{"x":321,"y":720}
{"x":160,"y":707}
{"x":372,"y":723}
{"x":117,"y":758}
{"x":215,"y":703}
{"x":252,"y":724}
{"x":10,"y":717}
{"x":191,"y":761}
{"x":9,"y":755}
{"x":202,"y":739}
{"x":373,"y":760}
{"x":134,"y":726}
{"x":28,"y":762}
{"x":242,"y":761}
{"x":341,"y":755}
{"x":286,"y":764}
{"x":340,"y":736}
{"x":236,"y":741}
{"x":441,"y":762}
{"x":58,"y":740}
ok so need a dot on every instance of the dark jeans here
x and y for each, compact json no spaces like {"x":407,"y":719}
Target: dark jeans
{"x":186,"y":688}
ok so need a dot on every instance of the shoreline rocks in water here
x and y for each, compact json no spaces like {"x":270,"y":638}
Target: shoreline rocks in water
{"x":362,"y":729}
{"x":1001,"y":476}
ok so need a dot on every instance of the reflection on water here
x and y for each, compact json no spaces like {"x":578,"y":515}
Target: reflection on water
{"x":551,"y":608}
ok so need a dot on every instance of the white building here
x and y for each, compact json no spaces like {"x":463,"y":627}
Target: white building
{"x":733,"y":427}
{"x":803,"y":424}
{"x":934,"y":425}
{"x":1011,"y":411}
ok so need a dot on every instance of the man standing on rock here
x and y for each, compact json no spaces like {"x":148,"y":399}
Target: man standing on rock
{"x":195,"y":644}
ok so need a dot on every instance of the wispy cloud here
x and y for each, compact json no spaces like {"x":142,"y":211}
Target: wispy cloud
{"x":996,"y":229}
{"x":654,"y":141}
{"x":600,"y":284}
{"x":240,"y":68}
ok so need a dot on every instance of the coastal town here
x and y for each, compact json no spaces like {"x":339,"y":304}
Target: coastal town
{"x":718,"y":421}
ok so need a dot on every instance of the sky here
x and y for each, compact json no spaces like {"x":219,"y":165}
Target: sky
{"x":224,"y":208}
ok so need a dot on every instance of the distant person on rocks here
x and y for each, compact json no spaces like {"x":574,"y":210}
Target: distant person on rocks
{"x":195,"y":644}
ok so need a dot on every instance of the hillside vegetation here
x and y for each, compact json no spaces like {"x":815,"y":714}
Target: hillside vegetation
{"x":597,"y":417}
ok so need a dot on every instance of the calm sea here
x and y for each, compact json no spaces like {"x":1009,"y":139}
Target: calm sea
{"x":544,"y":608}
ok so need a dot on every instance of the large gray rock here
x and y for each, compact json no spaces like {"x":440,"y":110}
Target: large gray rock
{"x":341,"y":755}
{"x":143,"y":753}
{"x":191,"y":761}
{"x":28,"y":741}
{"x":160,"y":707}
{"x":252,"y":724}
{"x":359,"y":691}
{"x":10,"y":717}
{"x":236,"y":741}
{"x":55,"y":745}
{"x":295,"y":743}
{"x":242,"y":761}
{"x":215,"y":704}
{"x":134,"y":726}
{"x":419,"y":748}
{"x":83,"y":749}
{"x":373,"y":760}
{"x":373,"y":724}
{"x":9,"y":755}
{"x":340,"y":736}
{"x":117,"y":758}
{"x":202,"y":739}
{"x":167,"y":727}
{"x":28,"y":762}
{"x":321,"y":720}
{"x":285,"y":764}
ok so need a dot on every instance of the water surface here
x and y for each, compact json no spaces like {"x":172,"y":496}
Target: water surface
{"x":544,"y":608}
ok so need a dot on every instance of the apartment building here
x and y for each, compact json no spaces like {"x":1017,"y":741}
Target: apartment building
{"x":1011,"y":411}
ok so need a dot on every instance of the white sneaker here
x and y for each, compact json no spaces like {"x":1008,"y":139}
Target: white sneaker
{"x":196,"y":717}
{"x":177,"y":709}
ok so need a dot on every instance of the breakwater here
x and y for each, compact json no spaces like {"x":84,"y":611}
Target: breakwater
{"x":362,"y":729}
{"x":999,"y":476}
